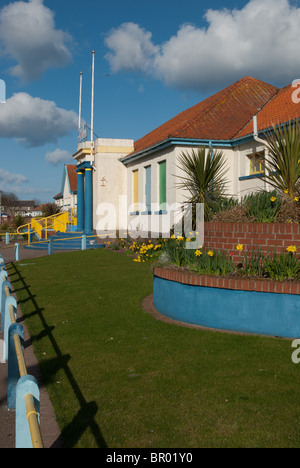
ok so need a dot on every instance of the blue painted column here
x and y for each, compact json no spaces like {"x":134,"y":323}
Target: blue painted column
{"x":80,"y":206}
{"x":88,"y":212}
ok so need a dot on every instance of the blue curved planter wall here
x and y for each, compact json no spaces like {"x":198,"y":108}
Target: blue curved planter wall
{"x":242,"y":311}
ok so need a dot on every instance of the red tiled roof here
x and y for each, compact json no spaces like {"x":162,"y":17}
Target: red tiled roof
{"x":71,"y":169}
{"x":219,"y":117}
{"x":279,"y":109}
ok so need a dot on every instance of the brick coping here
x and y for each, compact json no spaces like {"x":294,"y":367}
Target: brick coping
{"x":225,"y":282}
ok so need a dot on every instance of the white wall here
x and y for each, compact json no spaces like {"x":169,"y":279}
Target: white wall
{"x":109,"y":180}
{"x":237,"y":164}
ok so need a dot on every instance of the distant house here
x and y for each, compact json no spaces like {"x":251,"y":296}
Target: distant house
{"x":4,"y":217}
{"x":67,"y":198}
{"x":139,"y":179}
{"x":37,"y":211}
{"x":22,"y":207}
{"x":58,"y":199}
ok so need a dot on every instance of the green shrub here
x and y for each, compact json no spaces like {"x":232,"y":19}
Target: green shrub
{"x":283,"y":266}
{"x":253,"y":264}
{"x":262,"y":206}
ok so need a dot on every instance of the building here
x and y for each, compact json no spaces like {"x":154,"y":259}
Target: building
{"x":102,"y":184}
{"x":67,"y":198}
{"x":20,"y":207}
{"x":133,"y":184}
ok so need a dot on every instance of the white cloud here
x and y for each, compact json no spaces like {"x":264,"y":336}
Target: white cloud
{"x":34,"y":121}
{"x":260,"y":40}
{"x":29,"y":36}
{"x":58,"y":156}
{"x":8,"y":178}
{"x":132,"y":48}
{"x":21,"y":186}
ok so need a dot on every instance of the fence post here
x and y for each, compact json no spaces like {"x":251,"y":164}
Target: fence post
{"x":13,"y":367}
{"x":2,"y":273}
{"x":50,"y":247}
{"x":17,"y":252}
{"x":2,"y":264}
{"x":26,"y":385}
{"x":7,"y":322}
{"x":2,"y":300}
{"x":83,"y":242}
{"x":7,"y":238}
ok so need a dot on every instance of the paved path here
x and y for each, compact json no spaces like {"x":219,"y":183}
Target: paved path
{"x":49,"y":426}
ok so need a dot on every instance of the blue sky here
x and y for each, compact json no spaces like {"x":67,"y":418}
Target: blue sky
{"x":154,"y":58}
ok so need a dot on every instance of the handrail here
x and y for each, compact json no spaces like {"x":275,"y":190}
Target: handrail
{"x":47,"y":241}
{"x":32,"y":418}
{"x":40,"y":221}
{"x":44,"y":224}
{"x":32,"y":414}
{"x":10,"y":233}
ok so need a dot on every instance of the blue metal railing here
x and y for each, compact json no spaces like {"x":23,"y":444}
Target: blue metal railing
{"x":23,"y":393}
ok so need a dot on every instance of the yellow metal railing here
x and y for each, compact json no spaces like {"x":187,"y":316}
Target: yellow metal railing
{"x":31,"y":412}
{"x":56,"y":222}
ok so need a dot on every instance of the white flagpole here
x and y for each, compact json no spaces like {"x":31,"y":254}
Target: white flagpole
{"x":92,"y":110}
{"x":80,"y":100}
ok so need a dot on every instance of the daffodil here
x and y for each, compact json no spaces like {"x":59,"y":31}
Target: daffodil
{"x":210,"y":253}
{"x":273,"y":199}
{"x":198,"y":253}
{"x":239,"y":247}
{"x":292,"y":248}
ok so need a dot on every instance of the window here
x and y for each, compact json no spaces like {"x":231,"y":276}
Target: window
{"x":255,"y":161}
{"x":148,"y":188}
{"x":136,"y":190}
{"x":162,"y":185}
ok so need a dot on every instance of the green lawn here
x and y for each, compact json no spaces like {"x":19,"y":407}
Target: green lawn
{"x":118,"y":378}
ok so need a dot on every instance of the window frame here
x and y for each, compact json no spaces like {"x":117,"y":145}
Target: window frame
{"x":259,"y":155}
{"x":135,"y":189}
{"x":162,"y":188}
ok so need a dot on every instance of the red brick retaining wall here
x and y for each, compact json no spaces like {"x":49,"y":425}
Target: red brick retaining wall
{"x":226,"y":236}
{"x":242,"y":284}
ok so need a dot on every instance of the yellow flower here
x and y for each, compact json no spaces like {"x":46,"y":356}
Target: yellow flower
{"x":239,"y":247}
{"x":292,"y":248}
{"x":286,"y":191}
{"x":198,"y":253}
{"x":179,"y":238}
{"x":296,"y":198}
{"x":210,"y":253}
{"x":273,"y":199}
{"x":172,"y":237}
{"x":188,"y":239}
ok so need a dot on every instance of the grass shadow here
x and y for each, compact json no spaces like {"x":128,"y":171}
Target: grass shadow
{"x":85,"y":417}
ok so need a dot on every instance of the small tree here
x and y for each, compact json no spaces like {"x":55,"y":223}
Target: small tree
{"x":283,"y":164}
{"x":204,"y":178}
{"x":18,"y":221}
{"x":50,"y":209}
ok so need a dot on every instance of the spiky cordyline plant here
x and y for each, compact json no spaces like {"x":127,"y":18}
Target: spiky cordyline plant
{"x":283,"y":163}
{"x":204,"y":177}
